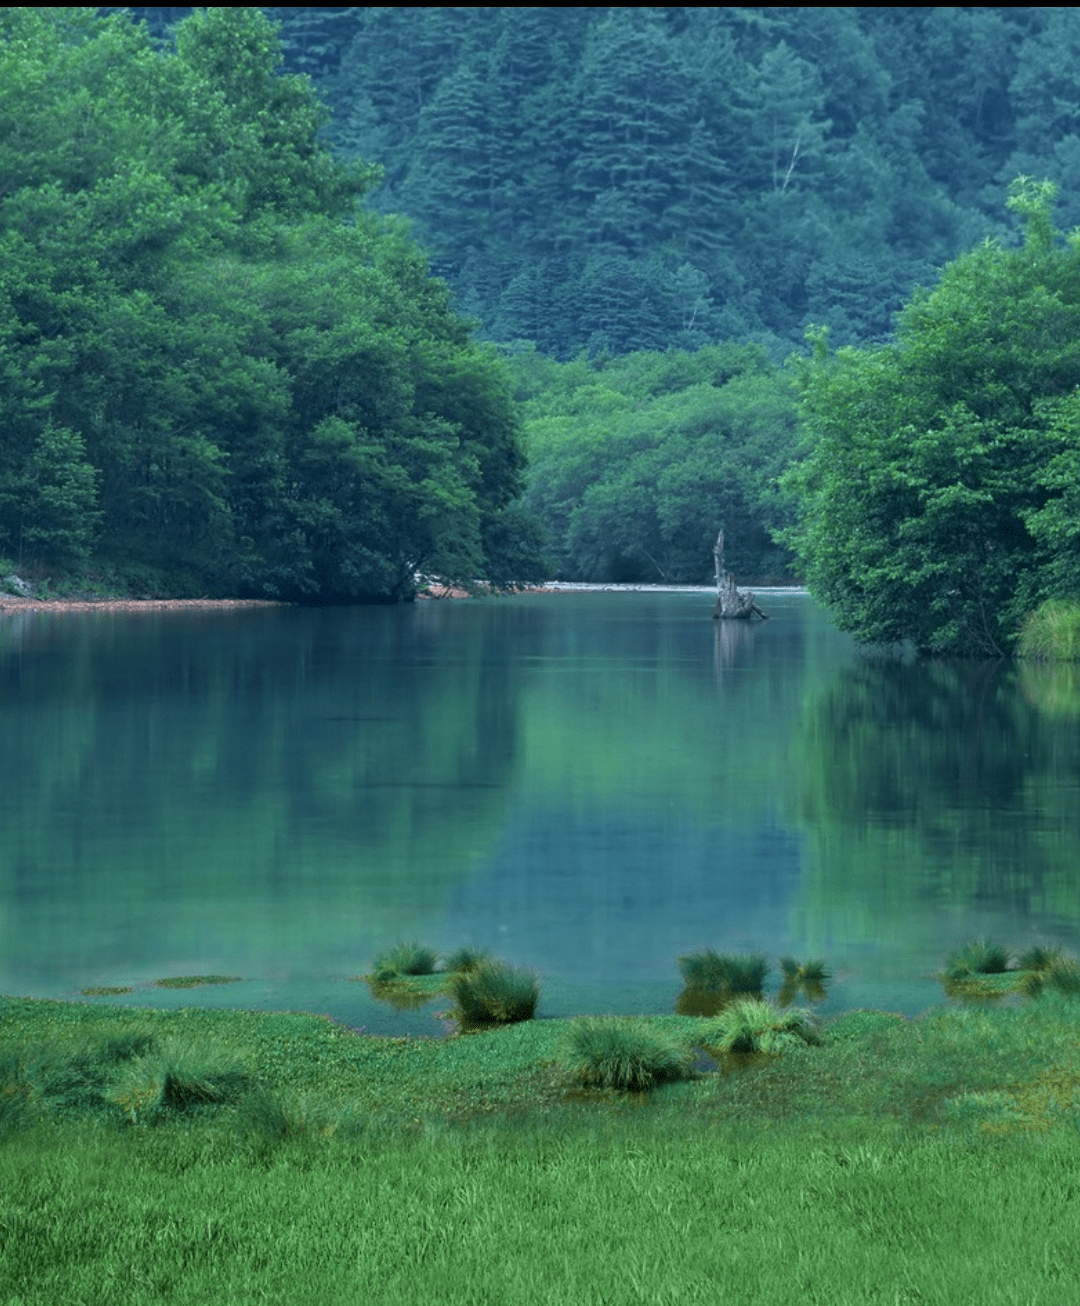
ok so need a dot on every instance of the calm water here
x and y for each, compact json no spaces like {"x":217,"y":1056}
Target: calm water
{"x":587,"y":784}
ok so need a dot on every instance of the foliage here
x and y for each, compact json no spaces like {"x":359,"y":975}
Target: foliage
{"x":708,"y":970}
{"x":194,"y":981}
{"x":637,"y":462}
{"x":757,"y":1025}
{"x":977,"y":958}
{"x":1051,"y":631}
{"x":494,"y":994}
{"x":936,"y":496}
{"x":215,"y":366}
{"x":404,"y":959}
{"x":628,"y":1055}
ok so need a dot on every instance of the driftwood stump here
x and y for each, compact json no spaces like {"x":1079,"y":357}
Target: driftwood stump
{"x":731,"y":602}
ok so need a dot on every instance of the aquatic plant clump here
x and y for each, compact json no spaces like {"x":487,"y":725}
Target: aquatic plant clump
{"x":466,"y":959}
{"x":1061,"y":975}
{"x":805,"y":972}
{"x":977,"y":958}
{"x":1039,"y":957}
{"x":757,"y":1025}
{"x":404,"y":959}
{"x":724,"y":974}
{"x":494,"y":994}
{"x":609,"y":1052}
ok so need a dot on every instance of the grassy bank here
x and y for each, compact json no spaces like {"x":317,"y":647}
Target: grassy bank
{"x":215,"y":1156}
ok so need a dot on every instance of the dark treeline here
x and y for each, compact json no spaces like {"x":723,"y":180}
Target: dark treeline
{"x":647,"y":178}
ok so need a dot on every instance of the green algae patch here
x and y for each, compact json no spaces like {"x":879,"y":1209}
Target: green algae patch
{"x":106,"y":991}
{"x":195,"y":981}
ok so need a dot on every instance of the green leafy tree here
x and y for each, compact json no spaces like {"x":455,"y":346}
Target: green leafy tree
{"x":217,"y":368}
{"x":929,"y":475}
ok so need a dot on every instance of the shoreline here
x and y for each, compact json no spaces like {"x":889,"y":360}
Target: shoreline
{"x":12,"y":603}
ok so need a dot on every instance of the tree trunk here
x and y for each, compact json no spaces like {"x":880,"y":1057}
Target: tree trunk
{"x":731,"y":602}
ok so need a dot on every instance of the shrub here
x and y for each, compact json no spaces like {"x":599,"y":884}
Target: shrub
{"x":977,"y":958}
{"x":466,"y":959}
{"x":721,"y":974}
{"x":1051,"y":631}
{"x":756,"y":1025}
{"x":494,"y":993}
{"x":404,"y":959}
{"x":610,"y":1052}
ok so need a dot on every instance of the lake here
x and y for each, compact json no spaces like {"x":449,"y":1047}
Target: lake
{"x":588,"y":784}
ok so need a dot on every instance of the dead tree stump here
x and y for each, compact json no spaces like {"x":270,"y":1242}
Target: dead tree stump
{"x":731,"y":602}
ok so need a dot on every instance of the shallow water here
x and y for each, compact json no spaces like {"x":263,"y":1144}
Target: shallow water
{"x":589,"y":785}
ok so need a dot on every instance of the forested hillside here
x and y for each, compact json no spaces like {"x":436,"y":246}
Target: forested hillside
{"x":647,"y":178}
{"x":219,"y":374}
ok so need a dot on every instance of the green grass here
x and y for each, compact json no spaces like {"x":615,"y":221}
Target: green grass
{"x":1052,"y":631}
{"x":195,"y":981}
{"x":466,"y":959}
{"x":756,"y":1025}
{"x":494,"y":993}
{"x":928,"y":1161}
{"x":977,"y":958}
{"x":106,"y":991}
{"x":628,"y":1055}
{"x":404,"y":959}
{"x":711,"y":972}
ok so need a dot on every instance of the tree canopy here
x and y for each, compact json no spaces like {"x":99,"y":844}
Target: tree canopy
{"x":938,"y":494}
{"x":216,"y":367}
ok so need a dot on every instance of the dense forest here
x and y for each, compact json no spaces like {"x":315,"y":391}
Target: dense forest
{"x":650,"y":178}
{"x":480,"y":291}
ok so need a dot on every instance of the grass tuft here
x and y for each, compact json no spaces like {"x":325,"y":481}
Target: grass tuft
{"x":404,"y":959}
{"x":1060,"y":975}
{"x":756,"y":1025}
{"x":494,"y":993}
{"x":714,"y":973}
{"x":177,"y":1078}
{"x":1039,"y":957}
{"x":463,"y":960}
{"x":977,"y":958}
{"x":624,"y":1054}
{"x":1052,"y":631}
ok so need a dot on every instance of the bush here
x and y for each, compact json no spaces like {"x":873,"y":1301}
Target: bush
{"x":977,"y":958}
{"x":610,"y":1052}
{"x":466,"y":959}
{"x":494,"y":994}
{"x":1052,"y":631}
{"x":720,"y":974}
{"x":755,"y":1025}
{"x":404,"y":959}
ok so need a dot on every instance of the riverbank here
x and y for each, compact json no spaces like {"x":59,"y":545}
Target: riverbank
{"x":213,"y":1156}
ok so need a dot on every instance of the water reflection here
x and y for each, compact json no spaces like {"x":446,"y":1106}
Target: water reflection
{"x":588,"y":785}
